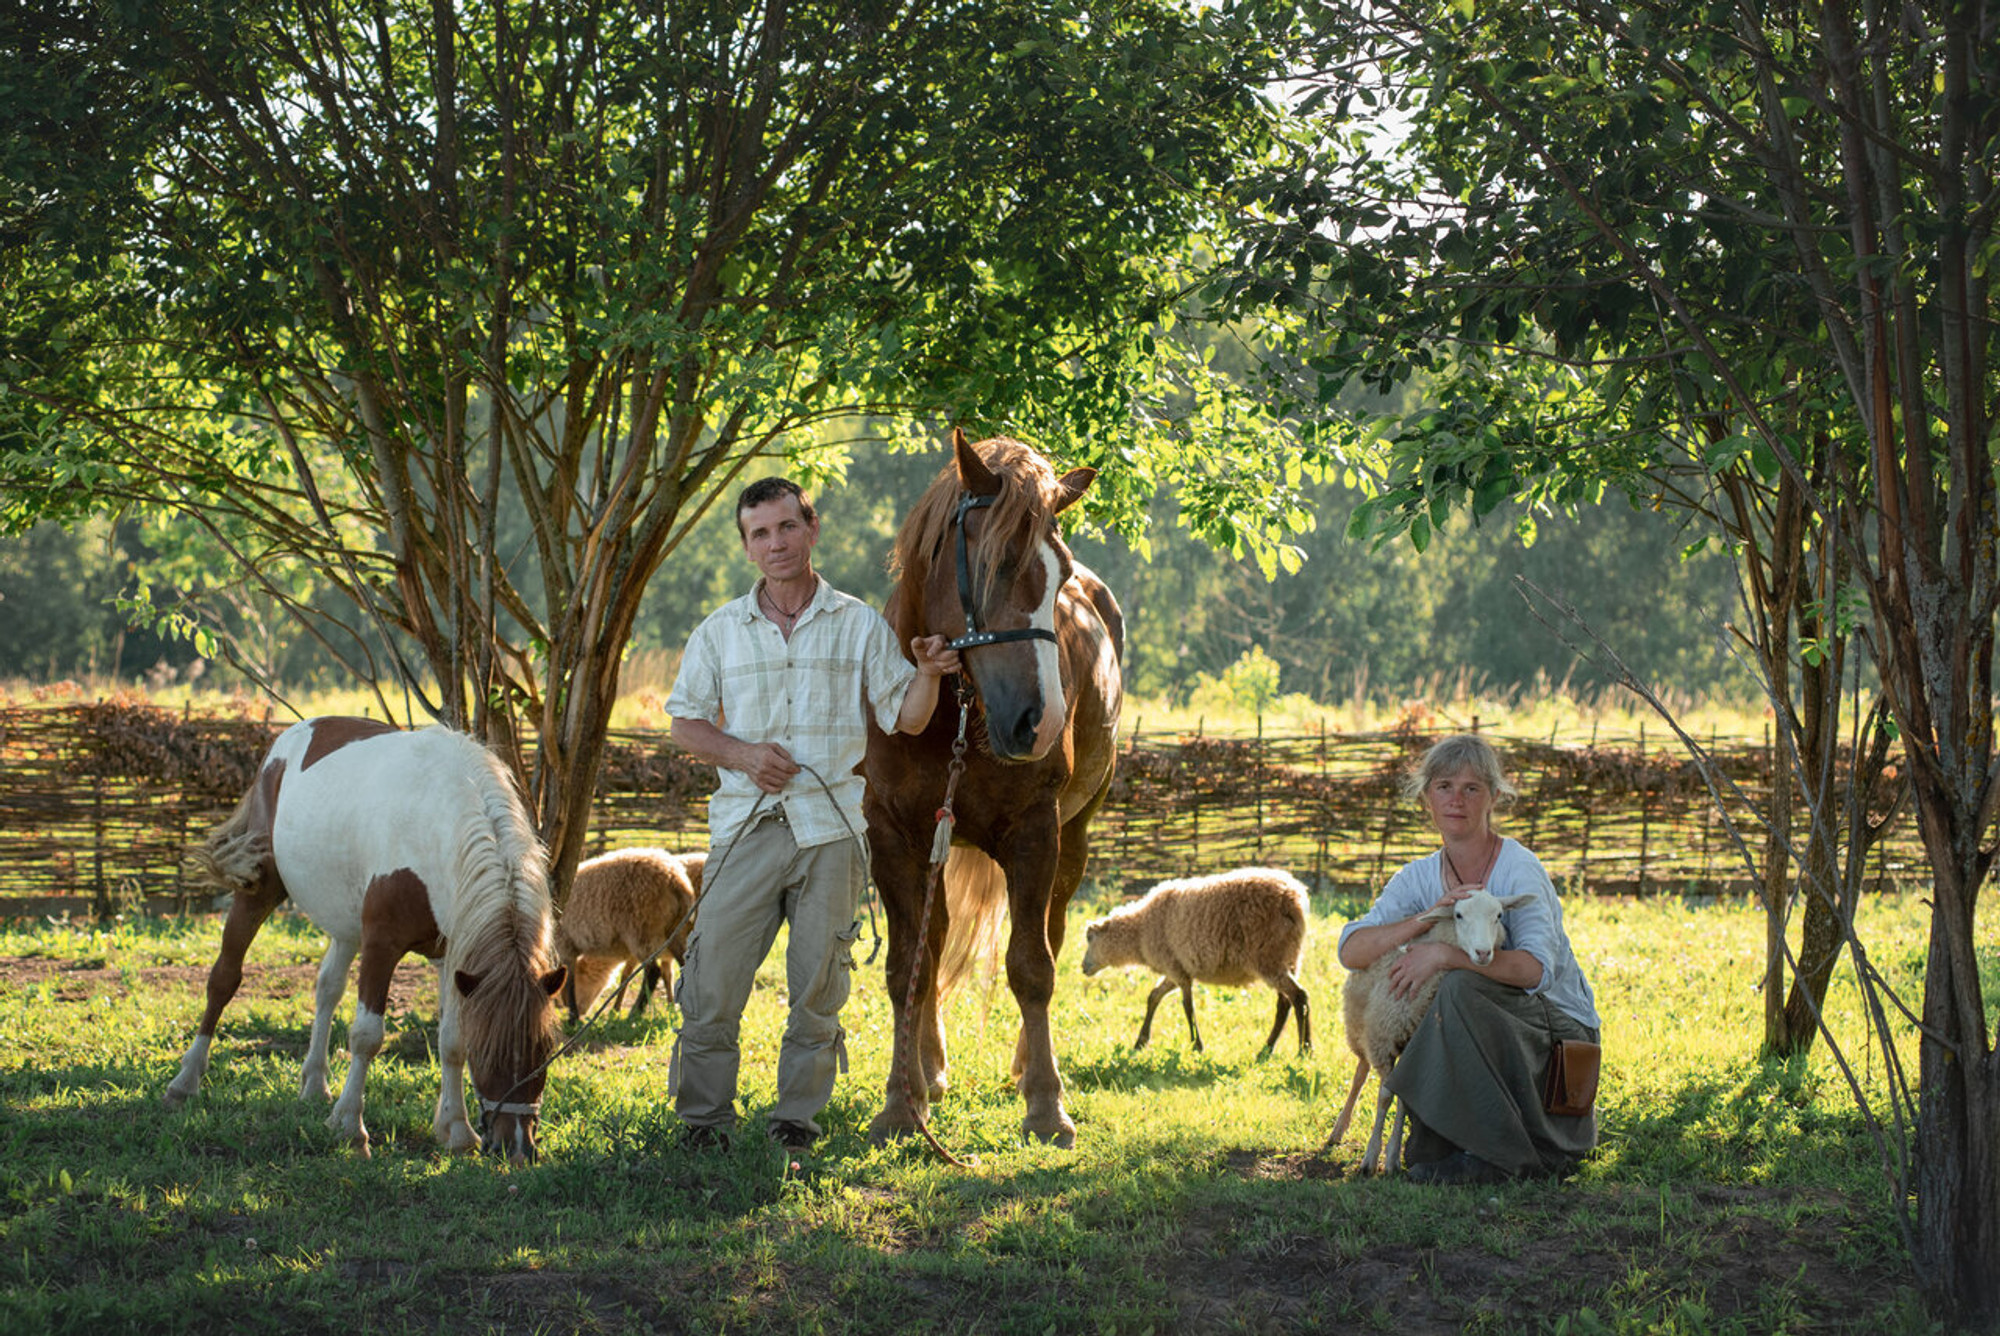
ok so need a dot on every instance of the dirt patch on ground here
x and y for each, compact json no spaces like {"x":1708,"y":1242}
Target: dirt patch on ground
{"x":1736,"y":1247}
{"x":414,"y":985}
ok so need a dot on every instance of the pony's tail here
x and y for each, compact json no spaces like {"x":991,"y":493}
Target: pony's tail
{"x":229,"y":860}
{"x":975,"y":897}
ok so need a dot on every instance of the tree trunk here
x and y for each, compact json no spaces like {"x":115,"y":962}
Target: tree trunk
{"x":1957,"y":1159}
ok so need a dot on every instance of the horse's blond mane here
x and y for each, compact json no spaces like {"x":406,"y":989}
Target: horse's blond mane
{"x":1021,"y":513}
{"x":501,"y":922}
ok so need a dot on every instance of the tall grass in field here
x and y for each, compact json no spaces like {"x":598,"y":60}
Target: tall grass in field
{"x":1458,"y":701}
{"x":1443,"y":702}
{"x":1728,"y":1194}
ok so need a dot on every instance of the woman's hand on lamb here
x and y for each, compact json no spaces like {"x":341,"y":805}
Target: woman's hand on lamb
{"x":1453,"y":895}
{"x":1415,"y":964}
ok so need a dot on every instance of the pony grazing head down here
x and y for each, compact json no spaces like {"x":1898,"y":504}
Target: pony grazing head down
{"x":979,"y":559}
{"x":395,"y":842}
{"x":507,"y":976}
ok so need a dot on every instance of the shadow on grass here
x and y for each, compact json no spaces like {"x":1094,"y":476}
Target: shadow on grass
{"x":1772,"y":1120}
{"x":1147,"y":1069}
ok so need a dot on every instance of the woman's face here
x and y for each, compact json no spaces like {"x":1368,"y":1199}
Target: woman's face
{"x":1460,"y":803}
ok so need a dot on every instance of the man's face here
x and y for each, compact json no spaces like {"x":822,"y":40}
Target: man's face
{"x":778,"y":537}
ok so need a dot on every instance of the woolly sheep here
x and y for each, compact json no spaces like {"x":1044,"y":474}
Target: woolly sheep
{"x":1231,"y":928}
{"x":1379,"y":1023}
{"x":621,"y":907}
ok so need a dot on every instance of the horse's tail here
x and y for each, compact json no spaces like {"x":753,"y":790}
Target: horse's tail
{"x":975,"y":897}
{"x":229,"y":859}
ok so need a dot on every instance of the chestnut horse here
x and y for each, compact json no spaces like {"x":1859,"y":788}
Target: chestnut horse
{"x":393,"y":842}
{"x":979,"y":559}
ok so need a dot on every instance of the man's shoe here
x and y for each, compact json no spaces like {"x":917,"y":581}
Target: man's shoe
{"x":704,"y":1137}
{"x":1460,"y":1167}
{"x":792,"y":1136}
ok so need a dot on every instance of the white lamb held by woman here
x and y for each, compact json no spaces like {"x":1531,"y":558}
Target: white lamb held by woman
{"x":621,"y":907}
{"x":1231,"y":928}
{"x":1379,"y":1023}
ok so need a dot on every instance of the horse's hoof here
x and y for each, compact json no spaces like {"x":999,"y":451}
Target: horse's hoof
{"x":1062,"y":1136}
{"x":173,"y":1098}
{"x":458,"y":1137}
{"x":885,"y":1129}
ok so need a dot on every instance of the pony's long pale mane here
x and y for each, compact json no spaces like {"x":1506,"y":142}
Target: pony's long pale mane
{"x":1019,"y":516}
{"x":501,"y":923}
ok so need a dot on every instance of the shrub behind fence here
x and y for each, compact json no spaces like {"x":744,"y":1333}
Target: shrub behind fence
{"x":97,"y":803}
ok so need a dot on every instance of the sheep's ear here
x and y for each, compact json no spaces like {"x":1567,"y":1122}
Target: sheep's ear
{"x":1438,"y":914}
{"x":1516,"y":901}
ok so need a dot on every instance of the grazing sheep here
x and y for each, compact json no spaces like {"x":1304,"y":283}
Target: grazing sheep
{"x":1232,"y":928}
{"x":1379,"y":1023}
{"x":621,"y":907}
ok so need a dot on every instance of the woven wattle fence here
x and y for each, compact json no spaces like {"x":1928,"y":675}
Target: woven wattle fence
{"x":98,"y":801}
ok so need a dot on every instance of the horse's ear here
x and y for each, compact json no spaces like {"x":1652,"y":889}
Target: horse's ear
{"x":1071,"y":486}
{"x":466,"y":983}
{"x":553,"y":981}
{"x":973,"y":475}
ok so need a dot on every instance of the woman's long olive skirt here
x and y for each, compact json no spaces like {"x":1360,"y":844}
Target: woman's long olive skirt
{"x":1471,"y":1077}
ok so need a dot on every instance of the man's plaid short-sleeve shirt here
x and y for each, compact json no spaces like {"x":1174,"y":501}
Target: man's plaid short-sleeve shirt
{"x":807,"y":694}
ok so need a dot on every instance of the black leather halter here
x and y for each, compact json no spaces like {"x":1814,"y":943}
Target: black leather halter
{"x":974,"y":637}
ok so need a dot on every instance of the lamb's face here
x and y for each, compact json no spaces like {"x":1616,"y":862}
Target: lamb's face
{"x":1477,"y":919}
{"x":1092,"y":961}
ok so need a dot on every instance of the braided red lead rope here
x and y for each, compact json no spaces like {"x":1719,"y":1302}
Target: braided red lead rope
{"x":940,"y":851}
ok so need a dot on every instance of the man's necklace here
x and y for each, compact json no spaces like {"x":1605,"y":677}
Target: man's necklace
{"x":791,"y":615}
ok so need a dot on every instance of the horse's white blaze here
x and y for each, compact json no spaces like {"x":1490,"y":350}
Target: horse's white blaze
{"x":1048,"y":657}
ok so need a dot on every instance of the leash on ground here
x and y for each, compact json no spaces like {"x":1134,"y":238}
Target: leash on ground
{"x":940,"y":852}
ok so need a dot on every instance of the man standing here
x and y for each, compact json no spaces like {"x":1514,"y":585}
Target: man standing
{"x":771,"y":690}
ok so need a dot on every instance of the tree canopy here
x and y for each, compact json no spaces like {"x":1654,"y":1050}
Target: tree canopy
{"x":1729,"y":257}
{"x":471,"y":310}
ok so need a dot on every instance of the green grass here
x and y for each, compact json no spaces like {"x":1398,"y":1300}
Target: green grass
{"x":1729,"y":1195}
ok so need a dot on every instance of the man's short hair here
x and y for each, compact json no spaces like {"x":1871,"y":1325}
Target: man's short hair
{"x":770,"y":489}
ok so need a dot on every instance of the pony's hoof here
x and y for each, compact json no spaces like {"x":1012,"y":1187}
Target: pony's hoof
{"x":173,"y":1097}
{"x":457,"y":1137}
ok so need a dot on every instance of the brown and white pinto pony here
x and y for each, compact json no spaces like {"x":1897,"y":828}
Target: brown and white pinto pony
{"x":392,"y":842}
{"x":1042,"y":740}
